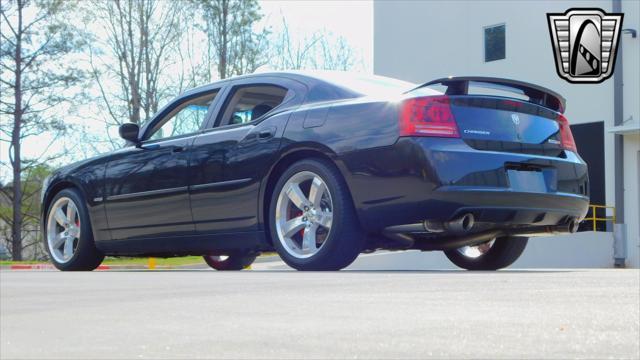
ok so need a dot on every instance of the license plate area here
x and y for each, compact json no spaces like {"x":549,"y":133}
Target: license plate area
{"x":527,"y":180}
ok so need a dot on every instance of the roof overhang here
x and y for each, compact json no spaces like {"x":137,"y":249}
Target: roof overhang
{"x":626,"y":129}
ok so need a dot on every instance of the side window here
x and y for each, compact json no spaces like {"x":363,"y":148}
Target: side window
{"x":187,"y":118}
{"x":249,"y":103}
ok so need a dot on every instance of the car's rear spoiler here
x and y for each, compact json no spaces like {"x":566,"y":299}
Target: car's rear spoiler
{"x":459,"y":85}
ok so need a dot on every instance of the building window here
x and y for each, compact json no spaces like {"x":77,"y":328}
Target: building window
{"x":494,"y":43}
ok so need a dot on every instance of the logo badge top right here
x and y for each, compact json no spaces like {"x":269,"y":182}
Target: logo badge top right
{"x":585,"y":42}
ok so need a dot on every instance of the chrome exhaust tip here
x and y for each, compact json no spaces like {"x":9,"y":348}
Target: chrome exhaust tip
{"x":433,"y":226}
{"x":462,"y":224}
{"x":573,"y":226}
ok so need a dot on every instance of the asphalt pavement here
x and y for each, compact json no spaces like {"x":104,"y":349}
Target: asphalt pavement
{"x":269,"y":312}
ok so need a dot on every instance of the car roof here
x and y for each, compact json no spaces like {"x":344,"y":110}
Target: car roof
{"x":352,"y":83}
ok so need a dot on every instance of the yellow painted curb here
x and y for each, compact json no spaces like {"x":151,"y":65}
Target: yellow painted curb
{"x":152,"y":263}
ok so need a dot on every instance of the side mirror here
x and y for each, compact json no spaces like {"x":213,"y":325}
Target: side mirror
{"x":129,"y":132}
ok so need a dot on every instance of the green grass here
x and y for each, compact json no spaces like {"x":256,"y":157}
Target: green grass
{"x":176,"y":261}
{"x":128,"y":261}
{"x":26,"y":262}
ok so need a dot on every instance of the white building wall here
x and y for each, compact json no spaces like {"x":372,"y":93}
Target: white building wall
{"x":423,"y":40}
{"x":420,"y":41}
{"x":632,"y":197}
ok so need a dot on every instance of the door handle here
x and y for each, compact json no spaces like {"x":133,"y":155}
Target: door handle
{"x":266,"y":134}
{"x":177,"y":149}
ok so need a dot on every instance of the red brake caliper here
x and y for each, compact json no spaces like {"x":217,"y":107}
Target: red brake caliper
{"x":296,"y":213}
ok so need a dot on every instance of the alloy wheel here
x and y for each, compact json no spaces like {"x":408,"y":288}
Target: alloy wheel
{"x":218,"y":258}
{"x":304,"y":214}
{"x":476,"y":251}
{"x":63,"y":230}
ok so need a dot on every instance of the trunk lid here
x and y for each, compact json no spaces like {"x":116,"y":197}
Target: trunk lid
{"x":504,"y":115}
{"x":495,"y":119}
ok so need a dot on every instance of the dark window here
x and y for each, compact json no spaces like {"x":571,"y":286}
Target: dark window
{"x":187,"y":118}
{"x":494,"y":43}
{"x":251,"y":103}
{"x":589,"y":139}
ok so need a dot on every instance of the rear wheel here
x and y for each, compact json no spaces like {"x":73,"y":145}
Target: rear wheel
{"x":233,"y":261}
{"x":312,"y":220}
{"x":68,"y":235}
{"x":493,"y":255}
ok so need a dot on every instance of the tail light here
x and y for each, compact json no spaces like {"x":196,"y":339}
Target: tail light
{"x":566,"y":137}
{"x":428,"y":116}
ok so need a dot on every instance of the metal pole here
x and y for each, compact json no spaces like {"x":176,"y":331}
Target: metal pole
{"x":618,"y":145}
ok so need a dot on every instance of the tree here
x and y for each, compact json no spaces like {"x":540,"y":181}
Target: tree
{"x":31,"y":185}
{"x":337,"y":54}
{"x":232,"y":37}
{"x":319,"y":51}
{"x":141,"y":36}
{"x":36,"y":79}
{"x":294,"y":55}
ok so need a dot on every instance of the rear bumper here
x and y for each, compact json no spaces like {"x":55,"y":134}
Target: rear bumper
{"x":440,"y":179}
{"x":509,"y":207}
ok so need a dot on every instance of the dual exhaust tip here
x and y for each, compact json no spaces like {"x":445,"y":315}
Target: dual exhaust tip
{"x":462,"y":224}
{"x":467,"y":221}
{"x":573,"y":225}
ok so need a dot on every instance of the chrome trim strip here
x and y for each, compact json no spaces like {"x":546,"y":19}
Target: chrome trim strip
{"x":169,"y":140}
{"x":220,"y":184}
{"x":147,"y":193}
{"x":152,"y":225}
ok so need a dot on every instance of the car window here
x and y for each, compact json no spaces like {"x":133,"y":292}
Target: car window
{"x":249,"y":103}
{"x":187,"y":118}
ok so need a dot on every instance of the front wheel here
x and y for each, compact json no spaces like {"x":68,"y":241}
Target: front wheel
{"x":312,"y":220}
{"x":493,"y":255}
{"x":68,"y":235}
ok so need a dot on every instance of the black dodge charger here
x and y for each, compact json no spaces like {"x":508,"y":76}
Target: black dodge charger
{"x":322,"y":166}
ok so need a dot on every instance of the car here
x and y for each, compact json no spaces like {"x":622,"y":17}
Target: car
{"x":323,"y":166}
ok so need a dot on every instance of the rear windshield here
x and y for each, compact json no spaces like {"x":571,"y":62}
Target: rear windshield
{"x":364,"y":84}
{"x":476,"y":88}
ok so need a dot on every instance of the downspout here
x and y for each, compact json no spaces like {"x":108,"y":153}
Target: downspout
{"x":620,"y":243}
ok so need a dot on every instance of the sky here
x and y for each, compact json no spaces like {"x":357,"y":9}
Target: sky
{"x":352,"y":20}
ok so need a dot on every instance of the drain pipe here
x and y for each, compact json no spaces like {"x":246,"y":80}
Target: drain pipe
{"x":620,"y":241}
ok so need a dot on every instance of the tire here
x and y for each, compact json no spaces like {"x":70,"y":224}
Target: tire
{"x":85,"y":256}
{"x":503,"y":252}
{"x":340,"y":234}
{"x":233,"y":261}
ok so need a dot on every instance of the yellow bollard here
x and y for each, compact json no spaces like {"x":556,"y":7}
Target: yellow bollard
{"x":152,"y":263}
